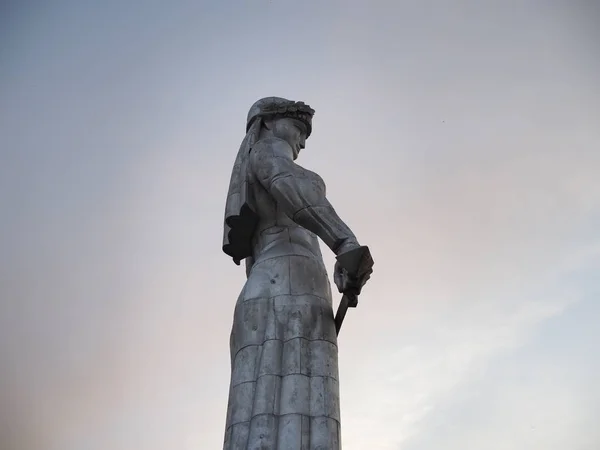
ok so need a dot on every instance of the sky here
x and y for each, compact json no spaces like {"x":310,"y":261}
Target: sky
{"x":459,"y":140}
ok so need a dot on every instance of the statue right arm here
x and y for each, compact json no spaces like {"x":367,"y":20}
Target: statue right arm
{"x":297,"y":195}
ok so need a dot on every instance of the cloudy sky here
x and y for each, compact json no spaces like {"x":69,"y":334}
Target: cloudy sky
{"x":460,"y":140}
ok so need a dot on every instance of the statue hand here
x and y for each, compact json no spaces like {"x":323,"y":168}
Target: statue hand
{"x":346,"y":282}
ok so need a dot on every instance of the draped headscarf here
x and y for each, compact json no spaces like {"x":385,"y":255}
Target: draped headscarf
{"x":240,"y":210}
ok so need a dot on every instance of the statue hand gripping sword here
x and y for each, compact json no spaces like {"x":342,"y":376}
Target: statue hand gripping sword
{"x":352,"y":270}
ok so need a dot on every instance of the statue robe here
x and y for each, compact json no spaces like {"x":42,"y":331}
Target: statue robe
{"x":284,"y":390}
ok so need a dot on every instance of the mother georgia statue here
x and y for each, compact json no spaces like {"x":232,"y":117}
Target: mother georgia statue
{"x":284,"y":391}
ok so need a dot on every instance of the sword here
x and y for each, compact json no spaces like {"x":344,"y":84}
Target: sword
{"x":358,"y":264}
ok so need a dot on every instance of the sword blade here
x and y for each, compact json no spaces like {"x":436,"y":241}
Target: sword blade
{"x":349,"y":300}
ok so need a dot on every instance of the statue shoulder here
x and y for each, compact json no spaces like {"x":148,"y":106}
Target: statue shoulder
{"x":271,"y":158}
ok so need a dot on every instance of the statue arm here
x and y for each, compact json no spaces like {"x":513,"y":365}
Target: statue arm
{"x":299,"y":197}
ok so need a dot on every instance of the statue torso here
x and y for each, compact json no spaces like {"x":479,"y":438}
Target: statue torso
{"x":277,"y":234}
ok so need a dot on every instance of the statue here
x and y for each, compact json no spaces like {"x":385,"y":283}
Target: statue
{"x":284,"y":391}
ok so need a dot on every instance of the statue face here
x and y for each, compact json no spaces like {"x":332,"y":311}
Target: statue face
{"x":292,"y":131}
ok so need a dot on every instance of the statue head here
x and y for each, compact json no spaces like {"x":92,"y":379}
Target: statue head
{"x":284,"y":119}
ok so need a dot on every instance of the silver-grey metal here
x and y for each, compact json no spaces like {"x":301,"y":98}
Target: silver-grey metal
{"x":357,"y":263}
{"x":284,"y":390}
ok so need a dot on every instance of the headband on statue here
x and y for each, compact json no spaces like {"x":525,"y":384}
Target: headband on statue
{"x":273,"y":107}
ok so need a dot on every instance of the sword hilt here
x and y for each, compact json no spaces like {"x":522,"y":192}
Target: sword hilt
{"x":349,"y":300}
{"x":352,"y":298}
{"x":358,"y":263}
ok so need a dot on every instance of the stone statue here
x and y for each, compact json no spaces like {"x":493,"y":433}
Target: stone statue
{"x":284,"y":391}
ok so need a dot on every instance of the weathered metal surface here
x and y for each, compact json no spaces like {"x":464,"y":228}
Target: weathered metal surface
{"x":284,"y":391}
